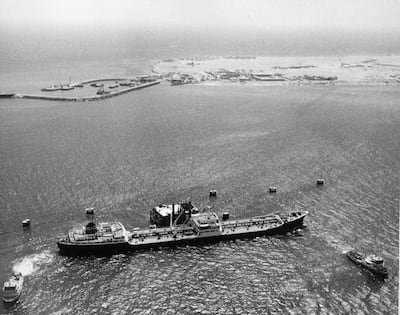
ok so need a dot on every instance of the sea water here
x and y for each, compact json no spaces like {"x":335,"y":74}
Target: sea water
{"x":165,"y":144}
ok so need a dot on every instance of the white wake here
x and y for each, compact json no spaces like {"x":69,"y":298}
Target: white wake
{"x":32,"y":263}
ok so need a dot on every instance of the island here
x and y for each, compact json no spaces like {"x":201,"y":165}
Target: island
{"x":354,"y":70}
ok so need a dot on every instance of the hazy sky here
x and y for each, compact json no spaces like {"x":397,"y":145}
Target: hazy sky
{"x":378,"y":15}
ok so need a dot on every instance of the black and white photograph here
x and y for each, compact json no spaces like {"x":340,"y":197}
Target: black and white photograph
{"x":199,"y":157}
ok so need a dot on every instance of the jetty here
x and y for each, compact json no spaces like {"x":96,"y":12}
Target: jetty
{"x":82,"y":98}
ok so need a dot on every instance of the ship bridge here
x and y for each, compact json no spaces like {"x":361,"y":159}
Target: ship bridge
{"x":205,"y":223}
{"x":161,"y":215}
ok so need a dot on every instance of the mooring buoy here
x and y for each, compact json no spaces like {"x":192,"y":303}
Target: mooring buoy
{"x":225,"y":216}
{"x":89,"y":211}
{"x":213,"y":193}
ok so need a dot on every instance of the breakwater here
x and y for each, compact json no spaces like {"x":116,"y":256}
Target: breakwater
{"x":81,"y":98}
{"x":100,"y":80}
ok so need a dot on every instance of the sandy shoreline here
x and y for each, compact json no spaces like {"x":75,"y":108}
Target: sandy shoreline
{"x":353,"y":70}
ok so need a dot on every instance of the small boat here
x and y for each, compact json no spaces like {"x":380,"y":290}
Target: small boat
{"x":98,"y":85}
{"x":67,"y":87}
{"x":52,"y":88}
{"x":13,"y":287}
{"x":102,"y":91}
{"x":373,"y":263}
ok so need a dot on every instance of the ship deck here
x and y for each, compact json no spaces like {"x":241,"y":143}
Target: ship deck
{"x":237,"y":228}
{"x":188,"y":234}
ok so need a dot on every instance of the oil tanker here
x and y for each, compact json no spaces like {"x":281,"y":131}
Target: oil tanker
{"x":105,"y":238}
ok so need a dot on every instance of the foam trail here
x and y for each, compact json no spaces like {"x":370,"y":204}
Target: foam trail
{"x":30,"y":264}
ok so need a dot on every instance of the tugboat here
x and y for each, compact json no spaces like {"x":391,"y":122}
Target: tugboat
{"x":373,"y":263}
{"x":199,"y":228}
{"x":12,"y":288}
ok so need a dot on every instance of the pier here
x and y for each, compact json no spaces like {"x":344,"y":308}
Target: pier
{"x":81,"y":98}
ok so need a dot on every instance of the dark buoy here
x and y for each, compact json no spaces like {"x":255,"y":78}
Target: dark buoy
{"x":89,"y":211}
{"x":320,"y":182}
{"x":213,"y":193}
{"x":273,"y":189}
{"x":26,"y":223}
{"x":225,"y":216}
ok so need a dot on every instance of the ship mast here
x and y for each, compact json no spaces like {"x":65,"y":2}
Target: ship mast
{"x":171,"y":216}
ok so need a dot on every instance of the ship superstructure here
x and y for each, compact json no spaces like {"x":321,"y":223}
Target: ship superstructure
{"x":165,"y":215}
{"x":95,"y":238}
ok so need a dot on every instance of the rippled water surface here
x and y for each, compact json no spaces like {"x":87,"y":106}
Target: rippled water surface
{"x":164,"y":144}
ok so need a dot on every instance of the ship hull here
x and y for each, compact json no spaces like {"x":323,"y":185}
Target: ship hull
{"x":73,"y":249}
{"x":11,"y":299}
{"x":103,"y":249}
